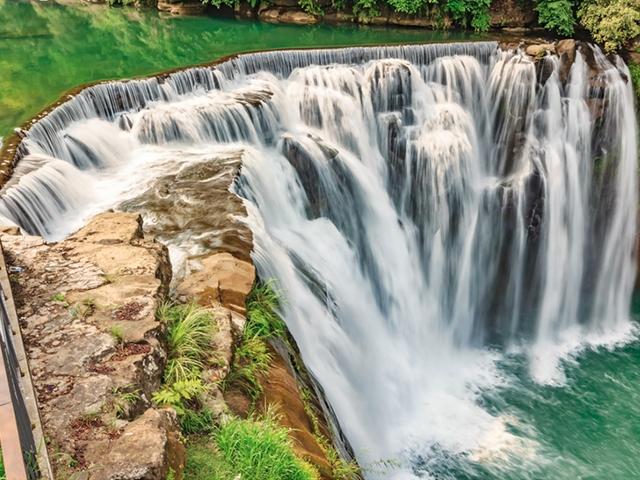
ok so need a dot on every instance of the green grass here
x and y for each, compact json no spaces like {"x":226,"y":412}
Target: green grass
{"x":190,"y":330}
{"x":252,"y":358}
{"x":255,"y":448}
{"x":3,"y":474}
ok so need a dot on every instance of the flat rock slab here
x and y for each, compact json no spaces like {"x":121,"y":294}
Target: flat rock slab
{"x":87,"y":307}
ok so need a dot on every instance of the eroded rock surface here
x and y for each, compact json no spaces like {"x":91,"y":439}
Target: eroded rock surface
{"x":87,"y":307}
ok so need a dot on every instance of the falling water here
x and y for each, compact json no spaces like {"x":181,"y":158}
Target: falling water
{"x":422,"y":208}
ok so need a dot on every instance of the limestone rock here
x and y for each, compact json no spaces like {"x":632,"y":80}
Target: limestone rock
{"x":286,"y":15}
{"x":87,"y":306}
{"x":148,"y":449}
{"x":220,"y":278}
{"x":540,"y":50}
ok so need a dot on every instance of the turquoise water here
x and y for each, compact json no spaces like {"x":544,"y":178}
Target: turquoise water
{"x":587,"y":428}
{"x":46,"y":49}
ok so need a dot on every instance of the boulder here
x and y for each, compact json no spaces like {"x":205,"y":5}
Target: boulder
{"x":540,"y":50}
{"x":219,"y":278}
{"x":287,"y":15}
{"x":148,"y":449}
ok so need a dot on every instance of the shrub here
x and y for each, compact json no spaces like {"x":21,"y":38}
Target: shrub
{"x":263,"y":320}
{"x":611,"y":22}
{"x":470,"y":12}
{"x":557,"y":16}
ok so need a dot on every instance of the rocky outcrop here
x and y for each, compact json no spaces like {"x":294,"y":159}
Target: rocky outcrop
{"x":87,"y":307}
{"x":181,"y":8}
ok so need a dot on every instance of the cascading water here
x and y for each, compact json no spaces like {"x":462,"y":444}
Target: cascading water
{"x":423,"y":209}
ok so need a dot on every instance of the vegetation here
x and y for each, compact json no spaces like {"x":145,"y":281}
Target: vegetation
{"x":252,"y":357}
{"x":190,"y":329}
{"x":257,"y":448}
{"x":611,"y":22}
{"x":634,"y":69}
{"x":557,"y":15}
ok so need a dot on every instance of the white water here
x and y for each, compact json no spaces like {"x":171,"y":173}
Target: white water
{"x":422,"y":209}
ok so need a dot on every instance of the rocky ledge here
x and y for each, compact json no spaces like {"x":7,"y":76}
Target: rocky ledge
{"x":87,"y":307}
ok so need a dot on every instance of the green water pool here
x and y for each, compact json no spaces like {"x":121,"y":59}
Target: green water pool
{"x":587,"y":429}
{"x":47,"y":48}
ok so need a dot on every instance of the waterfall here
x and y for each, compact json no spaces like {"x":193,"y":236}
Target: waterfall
{"x":425,"y":211}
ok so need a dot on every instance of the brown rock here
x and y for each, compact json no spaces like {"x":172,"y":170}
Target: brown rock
{"x":220,"y":278}
{"x":540,"y":50}
{"x":148,"y":449}
{"x":10,"y":230}
{"x":69,"y":297}
{"x":511,"y":14}
{"x":181,"y":8}
{"x":286,"y":15}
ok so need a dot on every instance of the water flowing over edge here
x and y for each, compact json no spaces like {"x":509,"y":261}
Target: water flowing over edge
{"x":422,"y":207}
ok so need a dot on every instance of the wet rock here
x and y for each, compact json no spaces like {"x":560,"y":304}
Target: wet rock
{"x":540,"y":50}
{"x":566,"y":50}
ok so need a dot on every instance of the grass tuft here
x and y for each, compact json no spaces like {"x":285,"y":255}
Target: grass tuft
{"x":252,"y":358}
{"x":255,"y":448}
{"x":190,"y":329}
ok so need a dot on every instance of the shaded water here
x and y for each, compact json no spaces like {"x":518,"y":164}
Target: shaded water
{"x":450,"y":229}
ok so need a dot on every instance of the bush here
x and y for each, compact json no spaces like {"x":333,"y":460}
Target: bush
{"x":470,"y":12}
{"x":611,"y":22}
{"x":557,"y":16}
{"x":256,"y":448}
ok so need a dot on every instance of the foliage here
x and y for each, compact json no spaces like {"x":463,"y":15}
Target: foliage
{"x":189,"y":332}
{"x":190,"y":329}
{"x":117,"y":333}
{"x":252,"y":357}
{"x":311,"y":6}
{"x":3,"y":475}
{"x":470,"y":12}
{"x":366,"y":8}
{"x":204,"y":461}
{"x":557,"y":16}
{"x":120,"y":3}
{"x":263,"y":320}
{"x":611,"y":22}
{"x":180,"y":395}
{"x":124,"y":400}
{"x":197,"y":422}
{"x":634,"y":70}
{"x":256,"y":448}
{"x":260,"y":448}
